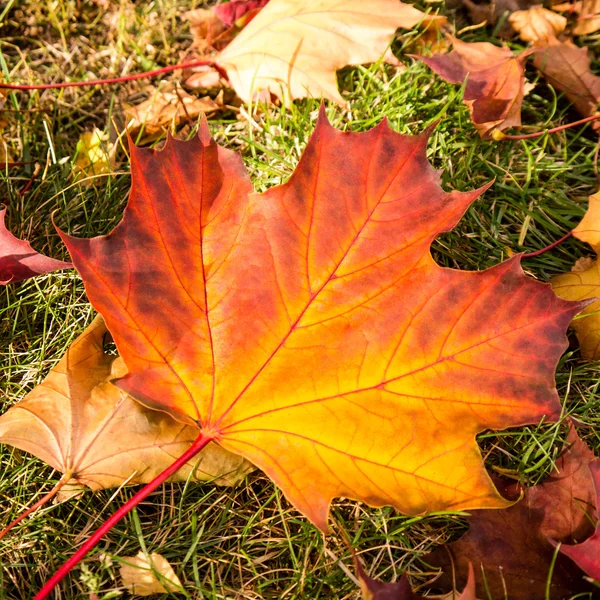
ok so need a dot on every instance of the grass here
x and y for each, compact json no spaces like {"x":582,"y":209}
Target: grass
{"x":247,"y":542}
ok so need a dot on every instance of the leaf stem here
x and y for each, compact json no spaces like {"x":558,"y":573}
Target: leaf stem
{"x":529,"y":136}
{"x":550,"y":247}
{"x":200,"y":442}
{"x":35,"y":506}
{"x":55,"y":86}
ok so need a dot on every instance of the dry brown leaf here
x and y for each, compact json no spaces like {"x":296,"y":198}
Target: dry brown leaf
{"x":138,"y":575}
{"x":567,"y":68}
{"x":81,"y":424}
{"x":164,"y":107}
{"x":292,"y":48}
{"x":537,"y":24}
{"x":95,"y":155}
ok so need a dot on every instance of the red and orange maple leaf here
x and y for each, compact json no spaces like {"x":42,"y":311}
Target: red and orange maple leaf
{"x":309,"y":328}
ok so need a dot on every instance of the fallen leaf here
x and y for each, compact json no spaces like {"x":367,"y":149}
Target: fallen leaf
{"x":81,"y":424}
{"x":138,"y":575}
{"x":511,"y":546}
{"x":292,"y":48}
{"x":19,"y":261}
{"x":587,"y":555}
{"x":231,"y":12}
{"x":567,"y":68}
{"x":495,"y":82}
{"x":491,"y":12}
{"x":310,"y":330}
{"x":588,"y":12}
{"x":401,"y":590}
{"x":583,"y":283}
{"x":95,"y":155}
{"x":537,"y":24}
{"x":165,"y":108}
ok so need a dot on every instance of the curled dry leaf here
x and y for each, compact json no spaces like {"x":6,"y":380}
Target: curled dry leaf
{"x":95,"y":155}
{"x":81,"y":424}
{"x":19,"y":261}
{"x":495,"y":82}
{"x":588,"y":15}
{"x":537,"y":24}
{"x":587,"y":555}
{"x":292,"y":48}
{"x":512,"y":548}
{"x":167,"y":107}
{"x":139,"y":575}
{"x":583,"y":283}
{"x":567,"y":68}
{"x":310,"y":330}
{"x":401,"y":590}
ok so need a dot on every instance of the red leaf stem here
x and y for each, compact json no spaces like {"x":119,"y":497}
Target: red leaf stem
{"x":195,"y":448}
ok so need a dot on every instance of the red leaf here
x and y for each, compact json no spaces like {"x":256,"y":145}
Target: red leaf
{"x":19,"y":261}
{"x":495,"y":82}
{"x":587,"y":555}
{"x":230,"y":12}
{"x":511,"y":546}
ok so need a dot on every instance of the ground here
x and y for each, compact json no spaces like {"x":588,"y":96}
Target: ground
{"x":248,"y":542}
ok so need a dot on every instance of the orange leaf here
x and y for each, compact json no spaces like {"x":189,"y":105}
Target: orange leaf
{"x":537,"y":24}
{"x":81,"y":424}
{"x":495,"y":82}
{"x":309,"y":329}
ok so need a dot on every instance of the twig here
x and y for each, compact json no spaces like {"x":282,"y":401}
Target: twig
{"x":200,"y":442}
{"x":55,"y":86}
{"x":35,"y":506}
{"x":36,"y":172}
{"x":550,"y":247}
{"x":498,"y":135}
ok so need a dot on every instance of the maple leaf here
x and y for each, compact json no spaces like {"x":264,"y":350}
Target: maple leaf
{"x":587,"y":555}
{"x":79,"y":423}
{"x":583,"y":283}
{"x":567,"y":68}
{"x":513,"y":547}
{"x":19,"y":261}
{"x":495,"y":85}
{"x":293,"y":48}
{"x":309,"y":329}
{"x":537,"y":24}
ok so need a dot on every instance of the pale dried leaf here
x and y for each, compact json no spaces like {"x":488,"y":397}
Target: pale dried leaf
{"x":537,"y":24}
{"x":138,"y":575}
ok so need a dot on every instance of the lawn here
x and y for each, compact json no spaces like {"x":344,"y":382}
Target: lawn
{"x":247,"y":542}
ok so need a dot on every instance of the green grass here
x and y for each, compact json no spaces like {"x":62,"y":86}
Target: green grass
{"x":248,"y":542}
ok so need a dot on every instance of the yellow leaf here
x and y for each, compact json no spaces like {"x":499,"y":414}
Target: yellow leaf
{"x":95,"y":155}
